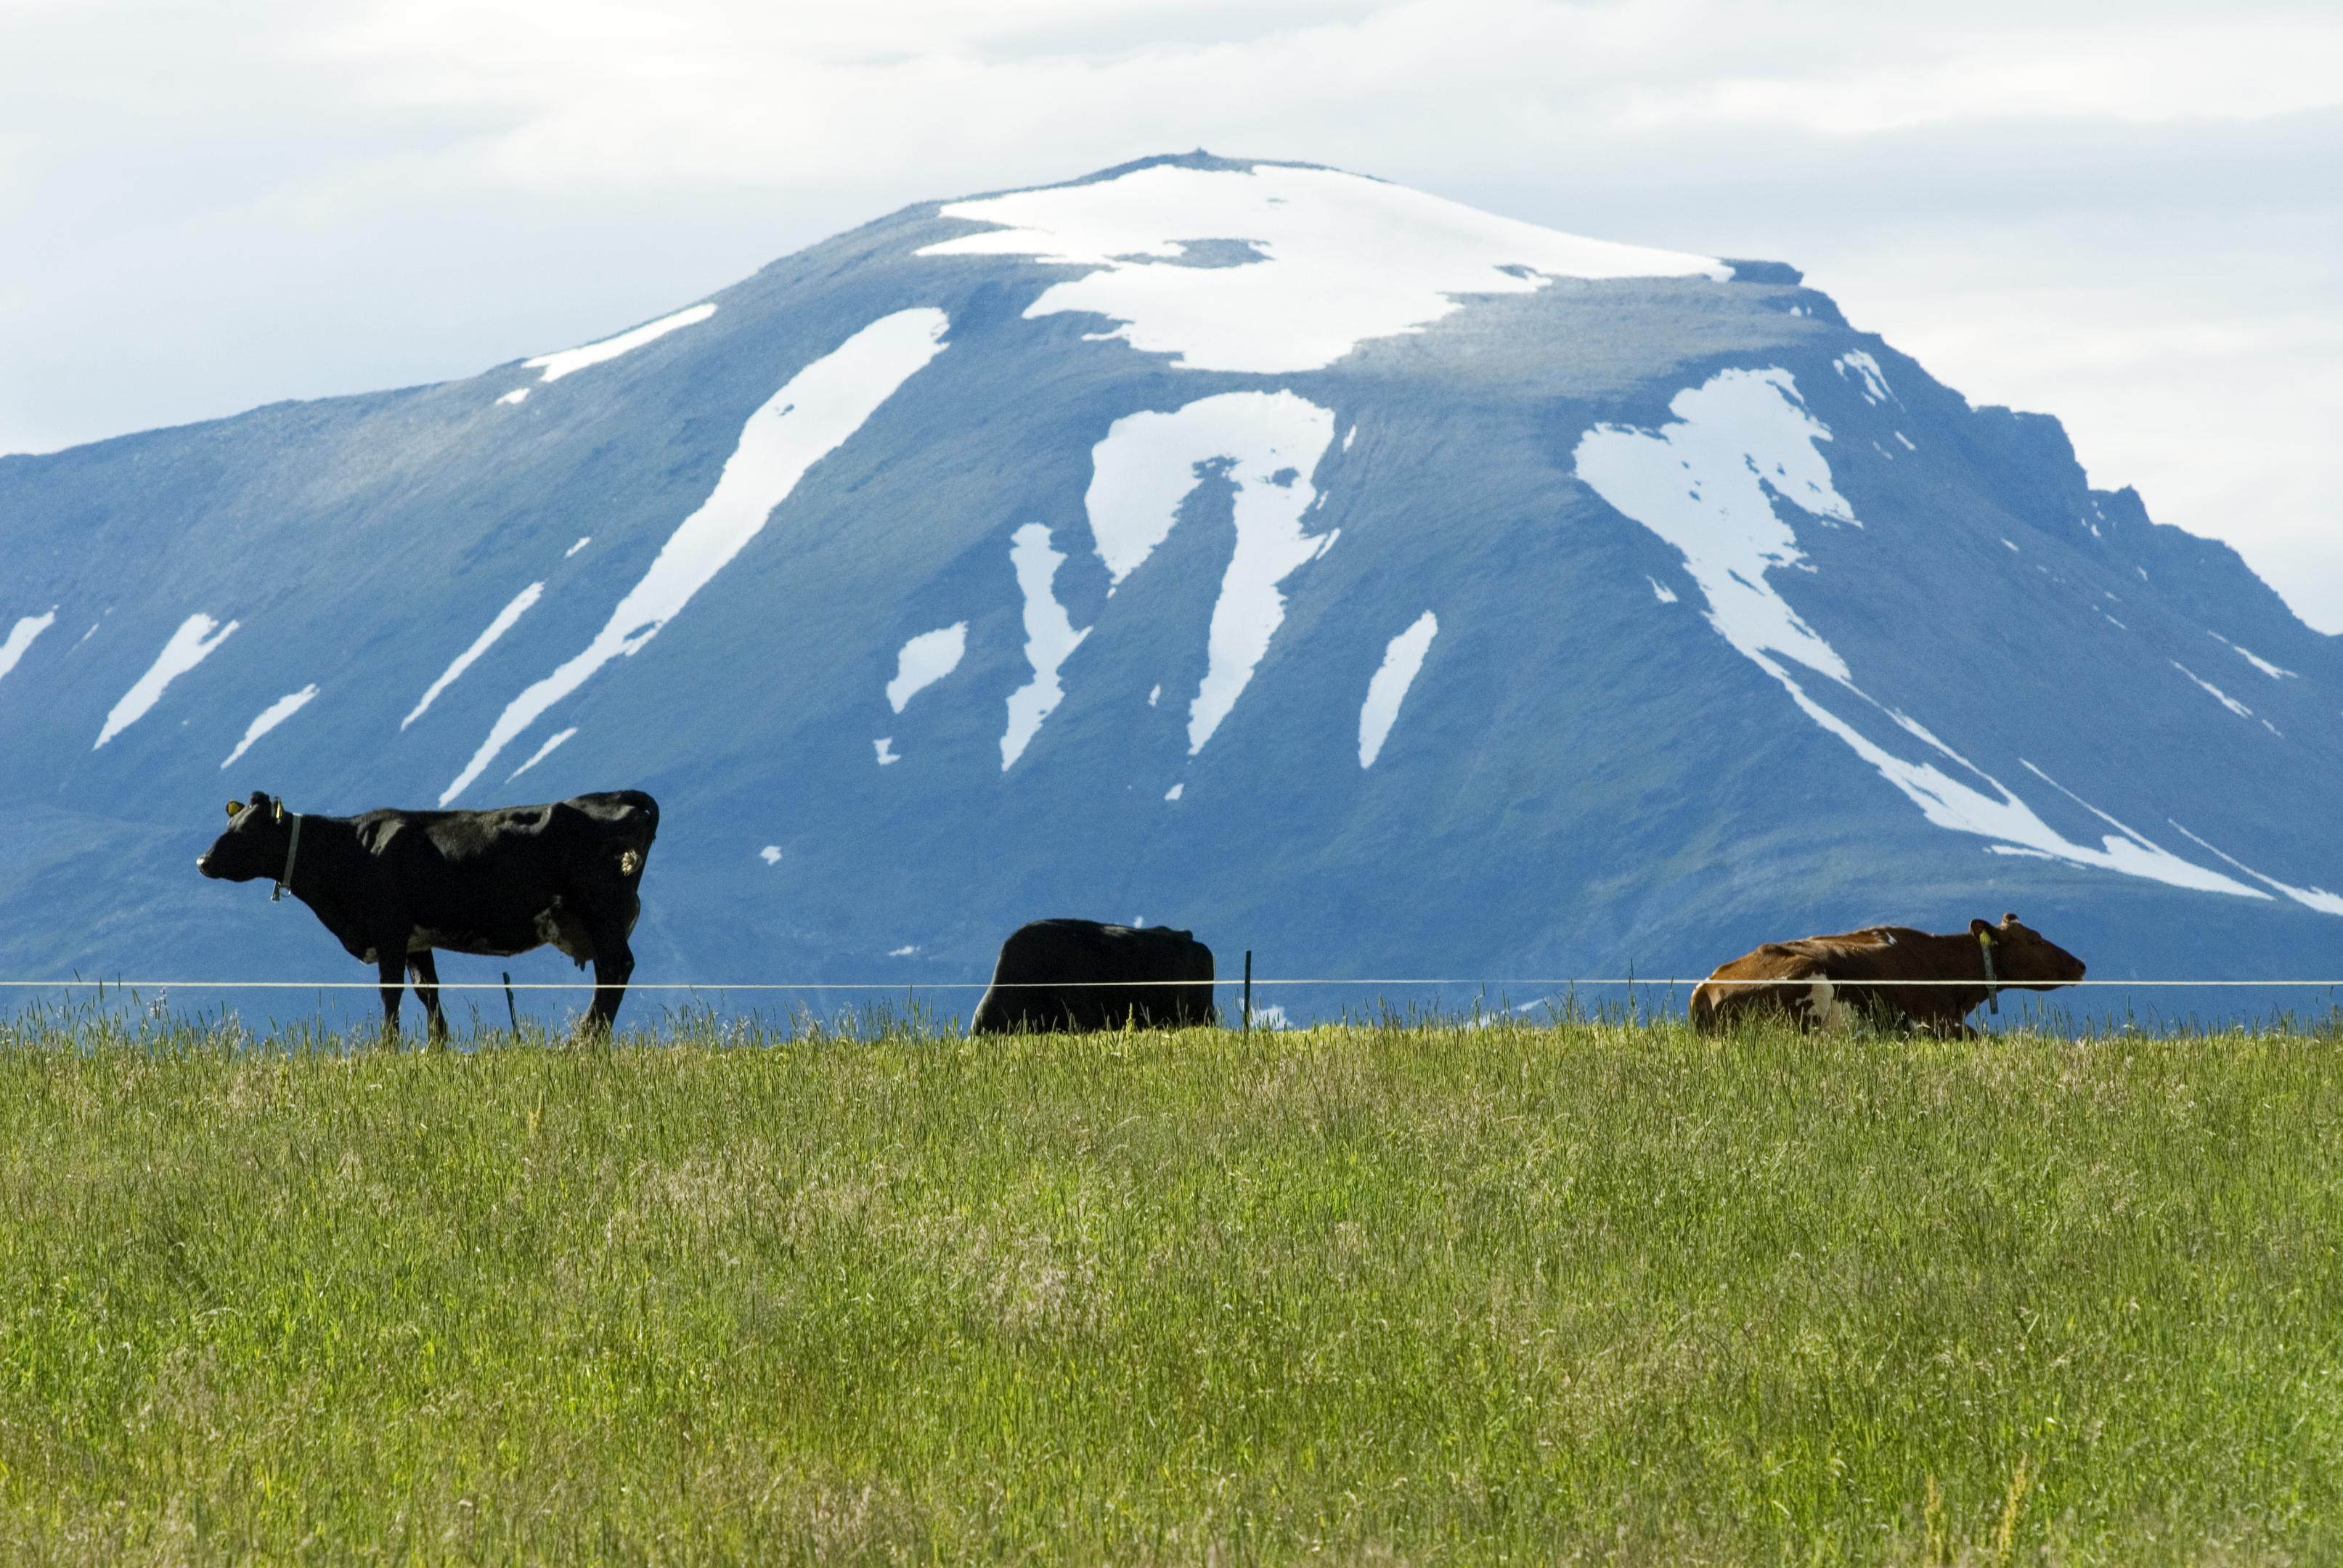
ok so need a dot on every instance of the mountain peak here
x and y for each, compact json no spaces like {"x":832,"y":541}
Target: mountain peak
{"x":1323,"y":260}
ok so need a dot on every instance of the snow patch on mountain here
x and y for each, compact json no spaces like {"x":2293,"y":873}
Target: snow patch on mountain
{"x":1870,"y":380}
{"x":2274,"y":671}
{"x":542,"y":753}
{"x":2231,"y":703}
{"x":2317,"y":898}
{"x":1334,"y":259}
{"x":269,"y":717}
{"x":924,"y":660}
{"x":20,"y":638}
{"x":569,"y":361}
{"x":1049,"y":638}
{"x":513,"y":611}
{"x":1266,"y":445}
{"x":189,"y":646}
{"x":1402,"y":659}
{"x":1701,"y":483}
{"x":809,"y":417}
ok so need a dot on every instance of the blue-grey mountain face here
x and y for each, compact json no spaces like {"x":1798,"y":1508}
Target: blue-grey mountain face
{"x":1337,"y":571}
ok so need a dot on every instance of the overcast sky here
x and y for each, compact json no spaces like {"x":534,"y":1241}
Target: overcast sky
{"x":2124,"y":213}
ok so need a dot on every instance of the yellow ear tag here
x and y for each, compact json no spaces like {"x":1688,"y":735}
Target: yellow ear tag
{"x":279,"y":811}
{"x":233,"y":807}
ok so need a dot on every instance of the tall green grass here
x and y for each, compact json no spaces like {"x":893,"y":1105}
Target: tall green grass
{"x":1432,"y":1294}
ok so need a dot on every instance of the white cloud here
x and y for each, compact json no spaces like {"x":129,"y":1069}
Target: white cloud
{"x":2249,"y":68}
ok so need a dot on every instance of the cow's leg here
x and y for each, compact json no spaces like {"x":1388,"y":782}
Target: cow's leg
{"x":614,"y":961}
{"x":426,"y":969}
{"x":390,"y":964}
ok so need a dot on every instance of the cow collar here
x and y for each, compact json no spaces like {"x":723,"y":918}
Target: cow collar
{"x":293,"y":852}
{"x":1992,"y":991}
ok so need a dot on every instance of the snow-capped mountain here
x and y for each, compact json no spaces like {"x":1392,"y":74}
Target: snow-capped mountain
{"x":1335,"y":570}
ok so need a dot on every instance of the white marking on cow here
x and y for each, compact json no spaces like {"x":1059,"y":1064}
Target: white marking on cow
{"x":194,"y":642}
{"x":1825,"y":1010}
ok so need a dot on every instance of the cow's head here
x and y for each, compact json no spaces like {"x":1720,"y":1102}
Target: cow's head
{"x":2025,"y":960}
{"x":253,"y":845}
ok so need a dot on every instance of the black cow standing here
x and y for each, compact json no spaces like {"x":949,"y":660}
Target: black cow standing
{"x":393,"y":885}
{"x":1076,"y":975}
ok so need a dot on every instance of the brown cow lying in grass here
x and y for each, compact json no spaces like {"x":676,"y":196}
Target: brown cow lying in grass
{"x":1810,"y":978}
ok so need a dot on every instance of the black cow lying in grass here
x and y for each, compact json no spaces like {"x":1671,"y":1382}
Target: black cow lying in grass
{"x":393,"y":885}
{"x":1806,"y":981}
{"x":1077,"y":975}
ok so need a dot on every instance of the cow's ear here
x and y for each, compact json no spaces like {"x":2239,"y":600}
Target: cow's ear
{"x":1980,"y":928}
{"x":2008,"y":917}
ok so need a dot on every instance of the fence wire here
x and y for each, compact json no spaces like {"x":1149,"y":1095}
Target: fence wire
{"x":1659,"y":982}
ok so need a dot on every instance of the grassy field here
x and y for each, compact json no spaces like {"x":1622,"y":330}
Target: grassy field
{"x":1405,"y":1294}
